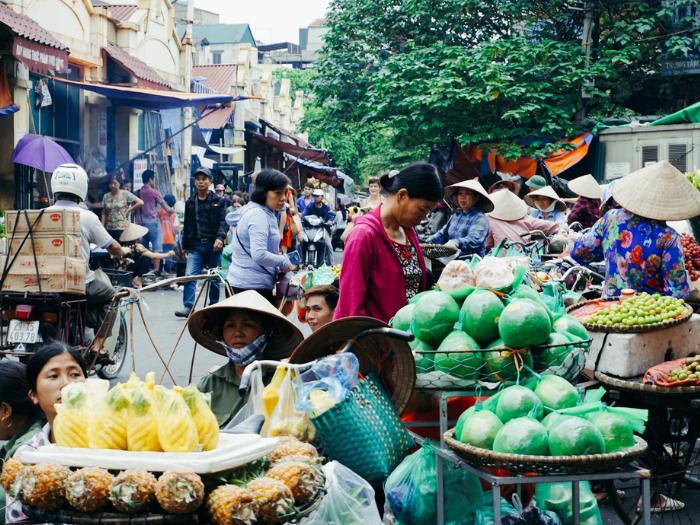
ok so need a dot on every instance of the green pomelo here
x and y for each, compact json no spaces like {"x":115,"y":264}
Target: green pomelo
{"x":462,"y":419}
{"x":522,"y":435}
{"x":551,"y":420}
{"x":518,"y":401}
{"x":568,"y":323}
{"x":434,"y":316}
{"x":417,"y":297}
{"x":500,"y":366}
{"x":616,"y":431}
{"x":525,"y":292}
{"x":480,"y":429}
{"x":524,"y":323}
{"x":461,"y":294}
{"x":554,"y":356}
{"x":402,"y":318}
{"x":480,"y":314}
{"x":453,"y":356}
{"x":424,"y":356}
{"x":575,"y":436}
{"x":556,"y":393}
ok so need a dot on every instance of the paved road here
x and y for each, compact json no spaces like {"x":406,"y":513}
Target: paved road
{"x":165,"y":329}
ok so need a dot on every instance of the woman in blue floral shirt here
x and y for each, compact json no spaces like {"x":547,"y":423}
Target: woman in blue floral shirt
{"x":641,"y":252}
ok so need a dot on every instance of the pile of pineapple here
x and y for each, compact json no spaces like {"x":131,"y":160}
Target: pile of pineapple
{"x":290,"y":477}
{"x":136,"y":415}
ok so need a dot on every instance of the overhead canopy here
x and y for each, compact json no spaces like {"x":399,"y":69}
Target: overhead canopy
{"x":215,"y":118}
{"x":320,"y":171}
{"x":689,"y":115}
{"x":149,"y":98}
{"x":307,"y":153}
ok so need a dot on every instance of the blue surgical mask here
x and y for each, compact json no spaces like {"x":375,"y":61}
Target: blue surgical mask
{"x":246,"y":354}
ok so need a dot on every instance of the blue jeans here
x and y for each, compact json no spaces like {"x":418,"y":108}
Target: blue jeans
{"x":203,"y":255}
{"x":154,"y":235}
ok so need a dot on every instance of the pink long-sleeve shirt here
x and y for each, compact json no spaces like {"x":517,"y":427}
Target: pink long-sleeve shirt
{"x":512,"y":230}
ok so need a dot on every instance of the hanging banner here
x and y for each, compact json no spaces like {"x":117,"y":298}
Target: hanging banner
{"x":39,"y":58}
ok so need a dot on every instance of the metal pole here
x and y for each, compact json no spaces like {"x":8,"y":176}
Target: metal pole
{"x":187,"y":112}
{"x":586,"y":42}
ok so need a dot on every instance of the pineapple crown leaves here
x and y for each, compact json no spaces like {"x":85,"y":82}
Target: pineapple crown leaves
{"x":195,"y":399}
{"x":140,"y":402}
{"x":74,"y":395}
{"x":117,"y":398}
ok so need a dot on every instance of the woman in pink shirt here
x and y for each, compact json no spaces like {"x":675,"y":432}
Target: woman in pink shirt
{"x":509,"y":219}
{"x":383,"y":265}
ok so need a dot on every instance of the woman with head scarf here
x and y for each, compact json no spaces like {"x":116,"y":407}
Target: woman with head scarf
{"x":243,"y":328}
{"x":641,"y":251}
{"x":510,"y":221}
{"x":468,"y":227}
{"x":546,"y":205}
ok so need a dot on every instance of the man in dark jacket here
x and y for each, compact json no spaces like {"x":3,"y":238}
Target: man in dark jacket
{"x":203,"y":237}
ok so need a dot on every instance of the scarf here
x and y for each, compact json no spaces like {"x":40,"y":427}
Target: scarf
{"x":247,"y":354}
{"x":548,"y":209}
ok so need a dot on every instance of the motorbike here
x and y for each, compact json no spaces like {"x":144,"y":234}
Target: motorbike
{"x":314,"y":241}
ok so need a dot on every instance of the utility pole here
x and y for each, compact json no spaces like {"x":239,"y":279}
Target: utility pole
{"x":187,"y":112}
{"x":586,"y":44}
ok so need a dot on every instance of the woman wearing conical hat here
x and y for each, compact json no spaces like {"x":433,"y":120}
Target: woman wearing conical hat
{"x":509,"y":219}
{"x":641,"y":251}
{"x":546,"y":205}
{"x":586,"y":209}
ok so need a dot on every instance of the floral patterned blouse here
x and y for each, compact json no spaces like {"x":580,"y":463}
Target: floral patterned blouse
{"x":411,"y":268}
{"x":639,"y":253}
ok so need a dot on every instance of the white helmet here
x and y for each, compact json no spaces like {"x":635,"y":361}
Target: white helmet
{"x":70,"y":178}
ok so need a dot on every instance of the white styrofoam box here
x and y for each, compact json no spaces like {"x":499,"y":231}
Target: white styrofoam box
{"x":234,"y":450}
{"x":630,"y":355}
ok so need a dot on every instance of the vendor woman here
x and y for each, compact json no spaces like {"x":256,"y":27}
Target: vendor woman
{"x":243,"y":328}
{"x":546,"y":205}
{"x":510,"y":221}
{"x":586,"y":209}
{"x":468,"y":227}
{"x":641,"y":251}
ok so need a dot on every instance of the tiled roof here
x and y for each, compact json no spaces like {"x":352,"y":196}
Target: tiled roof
{"x":216,"y":118}
{"x":140,"y":69}
{"x":221,"y":33}
{"x":122,"y":12}
{"x":22,"y":25}
{"x":218,"y":77}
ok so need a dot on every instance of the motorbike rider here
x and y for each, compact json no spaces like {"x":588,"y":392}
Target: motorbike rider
{"x":320,"y":209}
{"x":69,"y":185}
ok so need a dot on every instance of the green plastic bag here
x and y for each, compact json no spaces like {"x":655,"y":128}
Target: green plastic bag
{"x":484,"y":516}
{"x":557,"y":498}
{"x":411,"y":490}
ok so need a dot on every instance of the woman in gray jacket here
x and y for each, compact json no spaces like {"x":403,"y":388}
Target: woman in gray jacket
{"x":256,"y":258}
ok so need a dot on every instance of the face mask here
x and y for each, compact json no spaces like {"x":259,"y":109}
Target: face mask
{"x":247,"y":354}
{"x":549,"y":208}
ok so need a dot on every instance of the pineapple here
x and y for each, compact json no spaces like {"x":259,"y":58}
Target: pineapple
{"x":302,"y":479}
{"x":9,"y":473}
{"x":70,"y":426}
{"x":87,"y":489}
{"x":291,"y":447}
{"x":231,"y":505}
{"x":273,"y":499}
{"x":43,"y":486}
{"x":142,"y":425}
{"x":108,"y":428}
{"x":204,"y":419}
{"x":180,"y":492}
{"x":176,"y":429}
{"x":132,"y":490}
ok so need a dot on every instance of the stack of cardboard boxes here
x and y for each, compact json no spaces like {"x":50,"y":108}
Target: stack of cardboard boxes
{"x":55,"y":237}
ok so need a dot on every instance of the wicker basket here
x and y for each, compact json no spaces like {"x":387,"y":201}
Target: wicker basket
{"x":621,"y":329}
{"x":522,"y":464}
{"x":437,"y":251}
{"x":637,"y":385}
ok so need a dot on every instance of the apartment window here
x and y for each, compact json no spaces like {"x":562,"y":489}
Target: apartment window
{"x":650,"y":155}
{"x":216,"y":57}
{"x":677,"y":155}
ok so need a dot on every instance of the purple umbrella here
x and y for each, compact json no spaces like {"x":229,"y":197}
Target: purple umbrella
{"x":41,"y":153}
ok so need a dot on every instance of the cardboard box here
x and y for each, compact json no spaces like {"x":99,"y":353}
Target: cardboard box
{"x":58,"y":274}
{"x":51,"y":222}
{"x":46,"y":245}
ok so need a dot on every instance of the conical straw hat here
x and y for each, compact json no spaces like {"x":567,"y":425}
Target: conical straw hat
{"x":205,"y":325}
{"x":132,"y":232}
{"x":484,"y":198}
{"x":547,"y":191}
{"x":658,"y":192}
{"x":507,"y":206}
{"x":586,"y":186}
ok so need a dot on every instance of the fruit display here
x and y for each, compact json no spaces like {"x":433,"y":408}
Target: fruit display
{"x":680,"y":372}
{"x":87,"y":489}
{"x":10,"y":470}
{"x":643,"y":309}
{"x":293,"y":448}
{"x":273,"y":499}
{"x":434,"y":316}
{"x":524,"y":323}
{"x":480,"y":314}
{"x":42,"y":485}
{"x":136,"y":415}
{"x":302,"y":478}
{"x":691,"y":256}
{"x":512,"y":421}
{"x":179,"y":492}
{"x":132,"y":491}
{"x":453,"y":356}
{"x":231,"y":505}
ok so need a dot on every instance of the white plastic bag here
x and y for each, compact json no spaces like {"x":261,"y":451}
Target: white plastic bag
{"x":254,"y":404}
{"x":493,"y":272}
{"x":286,"y":420}
{"x":349,"y":499}
{"x":456,"y":276}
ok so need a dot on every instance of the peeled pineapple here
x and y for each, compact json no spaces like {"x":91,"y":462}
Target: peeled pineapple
{"x":204,"y":419}
{"x":132,"y":490}
{"x":231,"y":505}
{"x":108,"y":427}
{"x":142,"y":424}
{"x":302,"y":478}
{"x":180,"y":492}
{"x":42,"y":486}
{"x":9,"y":473}
{"x":87,"y":489}
{"x":272,"y":497}
{"x":291,"y":447}
{"x":70,"y":426}
{"x":176,"y":429}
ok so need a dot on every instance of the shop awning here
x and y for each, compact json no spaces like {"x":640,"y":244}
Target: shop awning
{"x":216,"y":118}
{"x":146,"y":76}
{"x":283,"y":132}
{"x":149,"y":98}
{"x":308,"y":153}
{"x":33,"y":45}
{"x":320,"y":171}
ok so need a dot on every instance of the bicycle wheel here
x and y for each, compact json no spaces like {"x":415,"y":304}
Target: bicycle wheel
{"x":111,"y":371}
